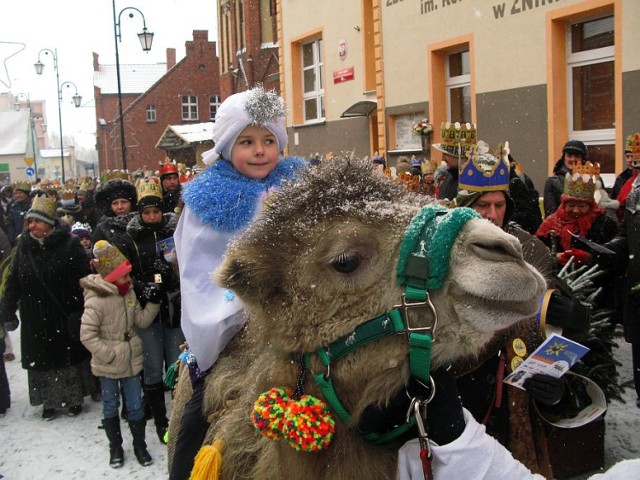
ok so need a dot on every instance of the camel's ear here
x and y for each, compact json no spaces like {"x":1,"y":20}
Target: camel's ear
{"x":247,"y":278}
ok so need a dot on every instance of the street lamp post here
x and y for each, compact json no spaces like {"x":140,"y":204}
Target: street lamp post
{"x":146,"y":39}
{"x":32,"y":127}
{"x":77,"y":99}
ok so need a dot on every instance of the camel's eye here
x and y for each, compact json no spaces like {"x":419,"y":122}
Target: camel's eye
{"x":347,"y":262}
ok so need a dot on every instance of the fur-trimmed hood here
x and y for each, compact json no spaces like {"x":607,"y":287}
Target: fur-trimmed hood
{"x":136,"y":227}
{"x":95,"y":285}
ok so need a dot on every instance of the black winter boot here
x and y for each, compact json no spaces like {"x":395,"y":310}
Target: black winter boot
{"x":139,"y":445}
{"x":154,"y":398}
{"x":112,"y":429}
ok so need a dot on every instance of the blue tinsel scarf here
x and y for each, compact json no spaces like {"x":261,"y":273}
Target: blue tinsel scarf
{"x":227,"y":200}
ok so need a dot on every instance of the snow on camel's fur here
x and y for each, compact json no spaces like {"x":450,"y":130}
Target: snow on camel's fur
{"x":288,"y":270}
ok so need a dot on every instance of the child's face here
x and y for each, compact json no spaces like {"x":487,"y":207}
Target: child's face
{"x":151,"y":215}
{"x":255,"y":152}
{"x":123,"y":280}
{"x":85,"y":242}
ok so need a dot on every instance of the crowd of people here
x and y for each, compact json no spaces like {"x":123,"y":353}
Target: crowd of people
{"x":91,"y":277}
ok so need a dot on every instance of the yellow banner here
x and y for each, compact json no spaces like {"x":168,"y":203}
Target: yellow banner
{"x":28,"y":161}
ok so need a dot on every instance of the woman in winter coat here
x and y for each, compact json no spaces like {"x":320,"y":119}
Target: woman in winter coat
{"x":111,"y":317}
{"x":116,"y":198}
{"x":152,"y":234}
{"x":17,"y":209}
{"x":572,"y":152}
{"x":43,"y":282}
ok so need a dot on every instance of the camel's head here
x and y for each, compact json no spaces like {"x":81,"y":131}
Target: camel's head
{"x":321,"y":260}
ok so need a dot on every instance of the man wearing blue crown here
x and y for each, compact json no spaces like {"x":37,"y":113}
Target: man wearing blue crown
{"x":509,"y":412}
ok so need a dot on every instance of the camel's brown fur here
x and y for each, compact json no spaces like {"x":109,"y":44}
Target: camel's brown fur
{"x":283,"y":270}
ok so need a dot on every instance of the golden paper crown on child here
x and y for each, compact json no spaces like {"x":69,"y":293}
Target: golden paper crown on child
{"x":581,"y":182}
{"x":633,"y":145}
{"x":109,"y":262}
{"x":149,"y":192}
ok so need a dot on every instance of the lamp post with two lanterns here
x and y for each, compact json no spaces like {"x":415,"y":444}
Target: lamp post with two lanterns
{"x":77,"y":99}
{"x":146,"y":39}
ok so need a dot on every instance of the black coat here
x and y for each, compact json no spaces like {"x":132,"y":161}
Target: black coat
{"x":527,"y":202}
{"x":146,"y":262}
{"x":45,"y":340}
{"x":554,"y":187}
{"x":15,"y":219}
{"x":114,"y":230}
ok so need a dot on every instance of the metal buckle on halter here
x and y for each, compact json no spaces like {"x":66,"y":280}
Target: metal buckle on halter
{"x":406,"y":307}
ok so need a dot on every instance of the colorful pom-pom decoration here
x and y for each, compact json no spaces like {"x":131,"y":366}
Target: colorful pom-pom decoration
{"x":268,"y":412}
{"x":306,"y":423}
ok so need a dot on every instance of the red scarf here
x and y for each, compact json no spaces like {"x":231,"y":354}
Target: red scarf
{"x":563,"y":224}
{"x":123,"y":288}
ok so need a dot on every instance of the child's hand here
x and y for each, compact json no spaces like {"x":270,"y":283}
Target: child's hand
{"x":152,"y":293}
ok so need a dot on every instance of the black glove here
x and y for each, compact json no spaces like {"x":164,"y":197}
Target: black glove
{"x":444,"y":422}
{"x":567,"y":311}
{"x":152,"y":293}
{"x":545,"y":388}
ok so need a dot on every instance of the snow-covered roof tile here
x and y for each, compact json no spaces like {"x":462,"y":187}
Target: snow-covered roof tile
{"x":134,"y":78}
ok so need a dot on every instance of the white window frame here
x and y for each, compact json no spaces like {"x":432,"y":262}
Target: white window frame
{"x":606,"y":136}
{"x":151,"y":114}
{"x":214,"y":105}
{"x":318,"y":92}
{"x":190,"y":102}
{"x":458,"y":81}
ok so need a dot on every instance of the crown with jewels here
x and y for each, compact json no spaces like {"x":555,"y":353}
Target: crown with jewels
{"x":633,"y":145}
{"x":68,"y":194}
{"x":456,"y":138}
{"x":581,"y":182}
{"x":483,"y":171}
{"x":148,"y":187}
{"x":168,"y":167}
{"x":23,"y":186}
{"x":111,"y":174}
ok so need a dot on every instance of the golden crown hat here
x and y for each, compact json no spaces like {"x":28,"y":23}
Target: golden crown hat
{"x":111,"y":174}
{"x":456,"y":138}
{"x":109,"y":262}
{"x":43,"y":208}
{"x":633,"y":145}
{"x":483,"y":171}
{"x":68,"y":194}
{"x":84,"y":187}
{"x":427,"y":167}
{"x":146,"y":187}
{"x":22,"y":185}
{"x":581,"y":182}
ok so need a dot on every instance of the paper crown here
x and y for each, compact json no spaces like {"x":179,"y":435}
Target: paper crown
{"x":427,"y":167}
{"x":581,"y":182}
{"x":43,"y":208}
{"x":168,"y":167}
{"x":23,"y":186}
{"x":81,"y":229}
{"x":68,"y":194}
{"x":456,"y":138}
{"x":633,"y":145}
{"x":484,"y":172}
{"x":84,"y":187}
{"x":149,"y":192}
{"x":111,"y":174}
{"x":109,"y":262}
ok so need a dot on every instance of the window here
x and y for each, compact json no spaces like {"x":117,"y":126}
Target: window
{"x":214,"y":104}
{"x":189,"y":107}
{"x":590,"y":83}
{"x":151,"y":113}
{"x":458,"y":84}
{"x":312,"y":81}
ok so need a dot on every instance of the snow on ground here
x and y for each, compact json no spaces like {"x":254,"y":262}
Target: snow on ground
{"x":74,"y":448}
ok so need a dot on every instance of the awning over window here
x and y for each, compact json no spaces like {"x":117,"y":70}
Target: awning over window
{"x":363,"y":108}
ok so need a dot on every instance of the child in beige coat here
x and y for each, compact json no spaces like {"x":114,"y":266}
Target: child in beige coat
{"x":111,"y":313}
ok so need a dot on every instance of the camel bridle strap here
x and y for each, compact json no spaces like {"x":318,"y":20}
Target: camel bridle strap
{"x":422,"y":266}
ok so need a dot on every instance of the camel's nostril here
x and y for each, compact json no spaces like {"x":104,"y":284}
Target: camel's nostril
{"x":496,"y":249}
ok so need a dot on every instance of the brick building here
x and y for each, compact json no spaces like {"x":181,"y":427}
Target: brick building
{"x":247,"y":32}
{"x":153,"y":97}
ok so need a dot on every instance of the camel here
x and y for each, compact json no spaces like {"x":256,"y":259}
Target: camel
{"x":322,"y":260}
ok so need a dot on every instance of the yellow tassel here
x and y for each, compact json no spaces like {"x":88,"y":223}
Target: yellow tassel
{"x":208,"y":462}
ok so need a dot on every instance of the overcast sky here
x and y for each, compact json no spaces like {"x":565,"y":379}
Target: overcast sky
{"x":76,"y":28}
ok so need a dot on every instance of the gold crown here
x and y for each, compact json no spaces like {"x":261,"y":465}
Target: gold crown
{"x":111,"y":174}
{"x":633,"y":145}
{"x":457,"y":134}
{"x":68,"y":194}
{"x":581,"y":183}
{"x":146,"y":187}
{"x":24,"y":186}
{"x":44,"y":204}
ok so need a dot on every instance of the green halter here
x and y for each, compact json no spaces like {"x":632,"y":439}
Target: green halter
{"x":422,"y":267}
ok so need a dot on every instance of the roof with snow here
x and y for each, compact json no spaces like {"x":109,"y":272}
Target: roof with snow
{"x":134,"y":78}
{"x":53,"y":152}
{"x":14,"y":132}
{"x":176,"y":136}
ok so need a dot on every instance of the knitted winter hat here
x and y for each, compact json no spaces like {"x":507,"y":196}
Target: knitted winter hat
{"x":109,"y":261}
{"x":82,"y":230}
{"x":112,"y":190}
{"x":149,"y":193}
{"x":252,"y":107}
{"x":43,"y":208}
